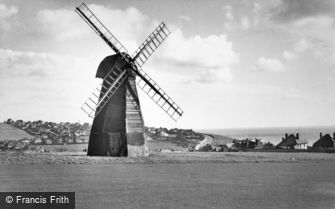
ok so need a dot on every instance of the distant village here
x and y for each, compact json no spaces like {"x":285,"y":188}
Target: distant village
{"x":50,"y":133}
{"x":197,"y":142}
{"x":181,"y":134}
{"x":288,"y":143}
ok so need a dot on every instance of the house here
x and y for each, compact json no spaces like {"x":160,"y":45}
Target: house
{"x":174,"y":131}
{"x":236,"y":144}
{"x":163,"y":132}
{"x":151,"y":131}
{"x":325,"y":142}
{"x":246,"y":144}
{"x":48,"y":141}
{"x":78,"y":140}
{"x":219,"y":147}
{"x":37,"y":141}
{"x":80,"y":133}
{"x":19,"y":123}
{"x":62,"y":140}
{"x":292,"y":142}
{"x":20,"y":145}
{"x":258,"y":144}
{"x":44,"y":135}
{"x":84,"y":139}
{"x":39,"y":122}
{"x":268,"y":145}
{"x":301,"y":144}
{"x":25,"y":141}
{"x":11,"y":145}
{"x":10,"y":121}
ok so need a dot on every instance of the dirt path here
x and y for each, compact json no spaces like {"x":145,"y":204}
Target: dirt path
{"x":207,"y":140}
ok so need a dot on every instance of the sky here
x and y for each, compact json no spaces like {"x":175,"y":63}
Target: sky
{"x":227,"y":64}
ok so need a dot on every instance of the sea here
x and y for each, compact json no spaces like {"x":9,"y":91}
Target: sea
{"x":274,"y":135}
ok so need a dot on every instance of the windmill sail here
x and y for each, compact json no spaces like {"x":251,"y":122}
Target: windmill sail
{"x":157,"y":94}
{"x":99,"y":98}
{"x":104,"y":91}
{"x":87,"y":15}
{"x":150,"y":44}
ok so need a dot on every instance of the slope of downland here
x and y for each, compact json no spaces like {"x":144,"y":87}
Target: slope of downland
{"x":9,"y":132}
{"x":220,"y":139}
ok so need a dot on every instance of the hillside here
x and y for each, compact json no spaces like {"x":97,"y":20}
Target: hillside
{"x":220,"y":139}
{"x":9,"y":132}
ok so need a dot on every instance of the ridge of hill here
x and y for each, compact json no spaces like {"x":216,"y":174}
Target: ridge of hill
{"x":9,"y":132}
{"x":220,"y":139}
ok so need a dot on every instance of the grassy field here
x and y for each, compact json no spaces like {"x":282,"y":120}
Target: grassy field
{"x":12,"y":158}
{"x":299,"y":185}
{"x":158,"y":145}
{"x":178,"y":180}
{"x":9,"y":132}
{"x":72,"y":148}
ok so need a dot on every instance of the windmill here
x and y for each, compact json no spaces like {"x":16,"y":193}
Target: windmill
{"x":118,"y":127}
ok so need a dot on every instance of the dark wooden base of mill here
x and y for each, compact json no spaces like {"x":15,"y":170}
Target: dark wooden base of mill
{"x":118,"y":130}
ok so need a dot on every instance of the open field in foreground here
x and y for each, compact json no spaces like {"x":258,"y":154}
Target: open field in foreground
{"x":77,"y":157}
{"x":299,"y":184}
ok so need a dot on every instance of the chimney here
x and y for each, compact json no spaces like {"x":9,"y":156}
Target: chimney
{"x":286,"y":135}
{"x":297,"y":136}
{"x":320,"y":135}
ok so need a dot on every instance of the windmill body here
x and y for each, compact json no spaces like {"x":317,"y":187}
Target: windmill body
{"x":118,"y":127}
